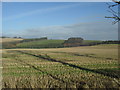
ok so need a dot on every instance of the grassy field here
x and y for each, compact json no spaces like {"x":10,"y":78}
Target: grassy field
{"x":76,"y":67}
{"x":87,"y":42}
{"x":41,"y":44}
{"x":10,"y":43}
{"x":50,"y":43}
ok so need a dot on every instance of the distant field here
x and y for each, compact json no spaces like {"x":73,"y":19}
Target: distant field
{"x":48,"y":43}
{"x":10,"y":43}
{"x":87,"y":42}
{"x":41,"y":44}
{"x":76,"y":67}
{"x":38,"y":43}
{"x":9,"y":40}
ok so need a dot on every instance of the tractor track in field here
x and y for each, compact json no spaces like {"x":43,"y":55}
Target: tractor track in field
{"x":32,"y":66}
{"x":48,"y":58}
{"x":86,"y":55}
{"x":52,"y":76}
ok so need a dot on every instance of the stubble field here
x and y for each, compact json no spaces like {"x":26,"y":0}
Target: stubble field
{"x":76,"y":67}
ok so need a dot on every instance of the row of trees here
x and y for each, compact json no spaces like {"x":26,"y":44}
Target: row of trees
{"x":35,"y":39}
{"x":78,"y":41}
{"x":101,"y":42}
{"x":9,"y":37}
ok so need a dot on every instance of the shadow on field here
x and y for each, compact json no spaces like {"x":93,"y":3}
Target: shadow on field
{"x":86,"y":55}
{"x":105,"y":73}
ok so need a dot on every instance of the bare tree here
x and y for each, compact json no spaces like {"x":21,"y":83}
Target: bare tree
{"x":115,"y":14}
{"x":116,"y":1}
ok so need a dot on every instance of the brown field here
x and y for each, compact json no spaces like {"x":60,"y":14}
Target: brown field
{"x":9,"y":39}
{"x":76,"y":67}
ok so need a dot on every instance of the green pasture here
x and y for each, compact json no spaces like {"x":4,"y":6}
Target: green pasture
{"x":41,"y":44}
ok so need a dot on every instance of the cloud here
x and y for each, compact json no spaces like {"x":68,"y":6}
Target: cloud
{"x":89,"y":31}
{"x":39,"y":11}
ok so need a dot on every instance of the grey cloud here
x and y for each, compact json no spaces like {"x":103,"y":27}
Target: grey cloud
{"x":91,"y":31}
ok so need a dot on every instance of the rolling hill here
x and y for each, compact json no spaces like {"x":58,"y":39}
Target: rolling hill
{"x":9,"y":43}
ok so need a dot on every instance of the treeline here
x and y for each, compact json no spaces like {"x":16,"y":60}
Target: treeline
{"x":78,"y":41}
{"x":34,"y":39}
{"x":105,"y":42}
{"x":73,"y":41}
{"x":9,"y":37}
{"x":111,"y":42}
{"x":101,"y":42}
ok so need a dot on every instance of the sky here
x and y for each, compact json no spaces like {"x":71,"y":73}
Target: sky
{"x":58,"y":20}
{"x":56,"y":0}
